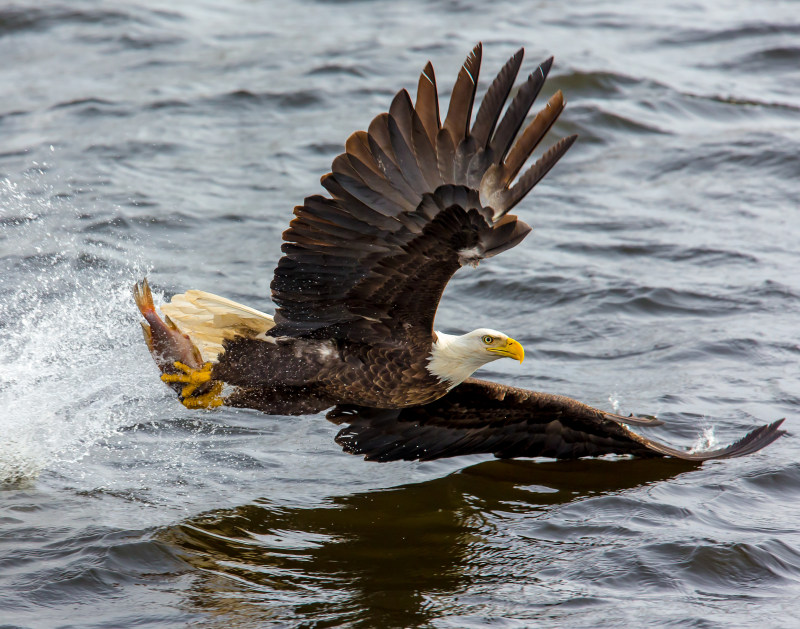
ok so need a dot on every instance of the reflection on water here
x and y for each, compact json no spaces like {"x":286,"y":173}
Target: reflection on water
{"x":380,"y":558}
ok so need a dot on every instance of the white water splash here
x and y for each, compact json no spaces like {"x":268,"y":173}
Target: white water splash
{"x":68,"y":376}
{"x":614,"y":401}
{"x":706,"y":441}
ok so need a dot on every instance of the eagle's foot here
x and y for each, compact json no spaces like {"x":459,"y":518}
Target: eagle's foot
{"x":191,"y":377}
{"x":212,"y":399}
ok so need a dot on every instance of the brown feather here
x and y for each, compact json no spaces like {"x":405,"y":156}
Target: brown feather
{"x":357,"y":146}
{"x":463,"y":97}
{"x":425,"y":153}
{"x":427,"y":104}
{"x":536,"y":172}
{"x":492,"y":103}
{"x":534,"y":133}
{"x":400,"y":110}
{"x":388,"y":163}
{"x":406,"y":159}
{"x":516,"y":112}
{"x":480,"y":417}
{"x":446,"y":156}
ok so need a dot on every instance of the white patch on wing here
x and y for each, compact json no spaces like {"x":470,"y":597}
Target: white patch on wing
{"x":325,"y":352}
{"x":471,"y":256}
{"x":320,"y":351}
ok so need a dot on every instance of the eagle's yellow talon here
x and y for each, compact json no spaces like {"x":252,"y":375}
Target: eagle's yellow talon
{"x":212,"y":399}
{"x":193,"y":378}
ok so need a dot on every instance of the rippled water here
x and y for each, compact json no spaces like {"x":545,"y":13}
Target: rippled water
{"x":662,"y":277}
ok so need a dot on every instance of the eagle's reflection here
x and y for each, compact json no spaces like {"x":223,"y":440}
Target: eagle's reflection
{"x":379,"y":558}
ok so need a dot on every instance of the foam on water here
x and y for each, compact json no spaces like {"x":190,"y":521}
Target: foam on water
{"x":705,"y":441}
{"x":67,"y":376}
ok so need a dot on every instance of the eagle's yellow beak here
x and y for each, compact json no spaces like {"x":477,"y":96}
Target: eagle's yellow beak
{"x":511,"y":349}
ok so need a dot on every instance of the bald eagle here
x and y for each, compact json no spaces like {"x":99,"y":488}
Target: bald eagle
{"x":411,"y":200}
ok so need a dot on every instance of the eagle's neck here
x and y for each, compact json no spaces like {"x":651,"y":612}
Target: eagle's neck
{"x":453,"y":359}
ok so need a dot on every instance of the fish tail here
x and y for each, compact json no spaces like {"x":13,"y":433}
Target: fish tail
{"x":144,"y":301}
{"x":143,"y":297}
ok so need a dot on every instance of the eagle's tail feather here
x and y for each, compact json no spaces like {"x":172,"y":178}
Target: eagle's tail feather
{"x":209,"y":319}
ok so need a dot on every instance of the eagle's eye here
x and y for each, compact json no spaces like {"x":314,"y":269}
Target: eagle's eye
{"x":487,"y":339}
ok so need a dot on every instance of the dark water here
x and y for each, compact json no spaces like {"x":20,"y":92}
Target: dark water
{"x":173,"y":140}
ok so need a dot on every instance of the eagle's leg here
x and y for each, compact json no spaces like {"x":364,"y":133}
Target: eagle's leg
{"x":211,"y":399}
{"x":193,"y":379}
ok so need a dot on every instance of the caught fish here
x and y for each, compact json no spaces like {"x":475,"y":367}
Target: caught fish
{"x":166,"y":342}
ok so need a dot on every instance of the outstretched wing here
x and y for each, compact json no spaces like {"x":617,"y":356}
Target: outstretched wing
{"x":484,"y":417}
{"x":412,"y":200}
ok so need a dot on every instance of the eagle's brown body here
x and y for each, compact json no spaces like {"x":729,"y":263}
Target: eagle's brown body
{"x":299,"y":375}
{"x":410,"y":201}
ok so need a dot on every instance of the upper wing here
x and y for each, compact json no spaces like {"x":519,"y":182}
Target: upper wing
{"x":485,"y":417}
{"x":412,"y":200}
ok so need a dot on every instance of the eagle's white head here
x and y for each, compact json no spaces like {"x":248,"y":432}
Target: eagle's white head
{"x":453,"y":358}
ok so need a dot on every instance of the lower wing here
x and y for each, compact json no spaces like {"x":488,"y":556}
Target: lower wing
{"x":479,"y":417}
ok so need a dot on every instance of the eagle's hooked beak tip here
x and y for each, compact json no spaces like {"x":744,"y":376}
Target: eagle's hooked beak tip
{"x":515,"y":350}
